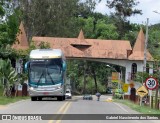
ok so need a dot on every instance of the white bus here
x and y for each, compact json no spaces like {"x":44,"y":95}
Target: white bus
{"x":46,"y":74}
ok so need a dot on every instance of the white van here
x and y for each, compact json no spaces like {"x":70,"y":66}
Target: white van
{"x":68,"y":94}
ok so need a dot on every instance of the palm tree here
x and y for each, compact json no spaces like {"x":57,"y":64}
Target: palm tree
{"x":8,"y":75}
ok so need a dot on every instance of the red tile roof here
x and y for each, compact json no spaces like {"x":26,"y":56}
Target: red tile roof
{"x":90,"y":48}
{"x":116,"y":49}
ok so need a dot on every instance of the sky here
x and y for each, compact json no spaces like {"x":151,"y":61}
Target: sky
{"x":147,"y":7}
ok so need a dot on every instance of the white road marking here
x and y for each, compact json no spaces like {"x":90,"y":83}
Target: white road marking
{"x":120,"y":107}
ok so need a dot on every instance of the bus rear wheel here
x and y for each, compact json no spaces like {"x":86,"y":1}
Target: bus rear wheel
{"x":33,"y":98}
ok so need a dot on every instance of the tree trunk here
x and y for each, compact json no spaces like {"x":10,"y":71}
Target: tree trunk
{"x":95,"y":80}
{"x":84,"y":79}
{"x":4,"y":92}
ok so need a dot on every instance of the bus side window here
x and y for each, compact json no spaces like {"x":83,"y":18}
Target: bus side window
{"x":26,"y":66}
{"x":64,"y":66}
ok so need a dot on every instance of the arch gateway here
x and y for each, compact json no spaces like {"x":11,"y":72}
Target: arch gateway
{"x":117,"y":52}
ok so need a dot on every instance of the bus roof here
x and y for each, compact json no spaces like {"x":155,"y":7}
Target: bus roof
{"x":46,"y":54}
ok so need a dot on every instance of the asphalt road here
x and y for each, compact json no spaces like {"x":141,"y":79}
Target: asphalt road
{"x":83,"y":111}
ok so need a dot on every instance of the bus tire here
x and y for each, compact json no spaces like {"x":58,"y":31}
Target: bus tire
{"x":33,"y":98}
{"x":64,"y":97}
{"x":40,"y":98}
{"x":60,"y":98}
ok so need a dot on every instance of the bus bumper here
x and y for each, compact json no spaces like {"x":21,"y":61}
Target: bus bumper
{"x":46,"y":93}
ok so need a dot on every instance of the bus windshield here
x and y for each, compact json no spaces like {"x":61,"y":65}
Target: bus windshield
{"x":48,"y":71}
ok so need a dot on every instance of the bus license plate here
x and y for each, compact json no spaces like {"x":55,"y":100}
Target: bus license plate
{"x":45,"y":93}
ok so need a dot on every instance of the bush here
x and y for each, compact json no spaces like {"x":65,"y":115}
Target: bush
{"x":118,"y":93}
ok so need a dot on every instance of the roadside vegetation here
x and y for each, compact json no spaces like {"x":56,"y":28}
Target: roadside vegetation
{"x":7,"y":100}
{"x":141,"y":109}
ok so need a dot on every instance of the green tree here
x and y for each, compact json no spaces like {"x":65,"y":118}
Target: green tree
{"x":123,"y":9}
{"x":8,"y":75}
{"x":102,"y":29}
{"x":57,"y":18}
{"x":75,"y":73}
{"x":44,"y":45}
{"x":132,"y":33}
{"x":9,"y":23}
{"x":106,"y":31}
{"x":154,"y":41}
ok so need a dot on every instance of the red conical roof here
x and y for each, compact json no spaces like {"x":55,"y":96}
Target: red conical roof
{"x":22,"y":42}
{"x":138,"y":49}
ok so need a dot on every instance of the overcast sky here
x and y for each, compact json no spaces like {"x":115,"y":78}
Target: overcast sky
{"x":147,"y":7}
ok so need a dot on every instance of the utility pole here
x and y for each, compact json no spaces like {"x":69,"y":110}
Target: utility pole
{"x":156,"y":95}
{"x":145,"y":56}
{"x":145,"y":46}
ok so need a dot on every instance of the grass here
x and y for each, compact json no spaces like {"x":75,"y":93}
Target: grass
{"x":138,"y":108}
{"x":7,"y":100}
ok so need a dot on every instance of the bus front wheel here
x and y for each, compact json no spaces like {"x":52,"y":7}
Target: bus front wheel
{"x":60,"y":98}
{"x":64,"y":97}
{"x":40,"y":98}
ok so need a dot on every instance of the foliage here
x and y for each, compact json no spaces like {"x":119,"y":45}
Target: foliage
{"x":5,"y":101}
{"x":7,"y":33}
{"x":118,"y":93}
{"x":141,"y":76}
{"x":32,"y":45}
{"x":137,"y":107}
{"x":56,"y":17}
{"x":8,"y":74}
{"x":85,"y":8}
{"x":22,"y":77}
{"x":106,"y":31}
{"x":96,"y":75}
{"x":101,"y":28}
{"x":101,"y":87}
{"x":124,"y":8}
{"x":132,"y":33}
{"x":9,"y":25}
{"x":88,"y":27}
{"x":25,"y":53}
{"x":154,"y":42}
{"x":6,"y":52}
{"x":44,"y":45}
{"x":90,"y":85}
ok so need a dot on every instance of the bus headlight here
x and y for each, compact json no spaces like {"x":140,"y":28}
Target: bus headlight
{"x":31,"y":88}
{"x":58,"y":87}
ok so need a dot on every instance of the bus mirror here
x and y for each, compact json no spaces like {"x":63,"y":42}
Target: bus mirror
{"x":64,"y":66}
{"x":26,"y":66}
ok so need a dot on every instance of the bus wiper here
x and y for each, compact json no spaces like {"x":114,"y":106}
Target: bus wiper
{"x":39,"y":79}
{"x":50,"y":78}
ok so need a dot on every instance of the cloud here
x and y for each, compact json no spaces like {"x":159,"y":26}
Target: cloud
{"x":102,"y":8}
{"x":147,"y":7}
